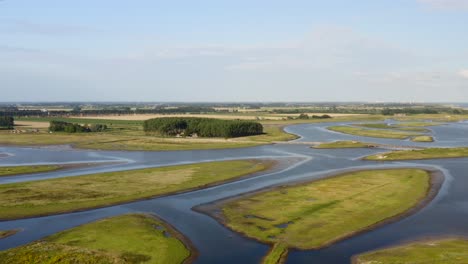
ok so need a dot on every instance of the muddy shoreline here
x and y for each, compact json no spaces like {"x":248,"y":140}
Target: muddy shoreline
{"x":436,"y":180}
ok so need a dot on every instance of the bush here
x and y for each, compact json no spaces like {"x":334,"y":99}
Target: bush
{"x":7,"y":122}
{"x":60,"y":126}
{"x":321,"y":117}
{"x":203,"y":127}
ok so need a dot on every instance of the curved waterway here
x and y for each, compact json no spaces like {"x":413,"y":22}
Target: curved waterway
{"x":445,"y":215}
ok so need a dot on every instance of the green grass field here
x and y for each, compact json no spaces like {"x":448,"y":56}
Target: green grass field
{"x":446,"y":251}
{"x":52,"y":196}
{"x":132,"y":238}
{"x":344,"y":144}
{"x":377,"y":133}
{"x":316,"y":214}
{"x":15,"y":170}
{"x":422,"y":139}
{"x":428,"y":153}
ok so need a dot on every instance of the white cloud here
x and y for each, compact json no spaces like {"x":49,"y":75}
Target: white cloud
{"x":446,"y":4}
{"x":463,"y":73}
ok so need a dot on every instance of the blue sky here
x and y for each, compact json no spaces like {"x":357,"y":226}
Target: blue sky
{"x":401,"y":50}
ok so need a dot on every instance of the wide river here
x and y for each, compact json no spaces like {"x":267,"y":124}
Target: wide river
{"x":446,"y":215}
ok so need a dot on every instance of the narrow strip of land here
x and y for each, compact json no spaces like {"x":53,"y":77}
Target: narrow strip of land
{"x":67,"y":194}
{"x":277,"y":254}
{"x":7,"y":233}
{"x":134,"y":238}
{"x":377,"y":133}
{"x":452,"y":250}
{"x":345,"y":144}
{"x":422,"y":139}
{"x":428,"y":153}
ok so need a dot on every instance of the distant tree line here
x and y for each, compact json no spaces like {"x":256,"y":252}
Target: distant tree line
{"x":333,"y":110}
{"x":203,"y":127}
{"x":60,"y":126}
{"x":306,"y":116}
{"x":112,"y":111}
{"x":374,"y":110}
{"x":7,"y":122}
{"x":388,"y":111}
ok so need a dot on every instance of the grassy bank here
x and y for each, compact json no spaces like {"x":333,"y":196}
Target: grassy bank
{"x":52,"y":196}
{"x":316,"y":214}
{"x":428,"y":153}
{"x":124,"y":239}
{"x":377,"y":133}
{"x":15,"y":170}
{"x":344,"y":144}
{"x":422,"y":139}
{"x":446,"y":251}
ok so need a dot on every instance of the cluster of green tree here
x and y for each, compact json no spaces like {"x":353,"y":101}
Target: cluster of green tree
{"x":306,"y":116}
{"x":203,"y":127}
{"x":6,"y":122}
{"x":60,"y":126}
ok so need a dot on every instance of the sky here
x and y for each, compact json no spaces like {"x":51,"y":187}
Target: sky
{"x":233,"y":51}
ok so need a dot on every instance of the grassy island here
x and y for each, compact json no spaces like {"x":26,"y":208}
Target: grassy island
{"x":452,"y":251}
{"x":377,"y":133}
{"x":345,"y":144}
{"x":428,"y":153}
{"x":134,"y":238}
{"x":319,"y":213}
{"x":422,"y":139}
{"x":59,"y":195}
